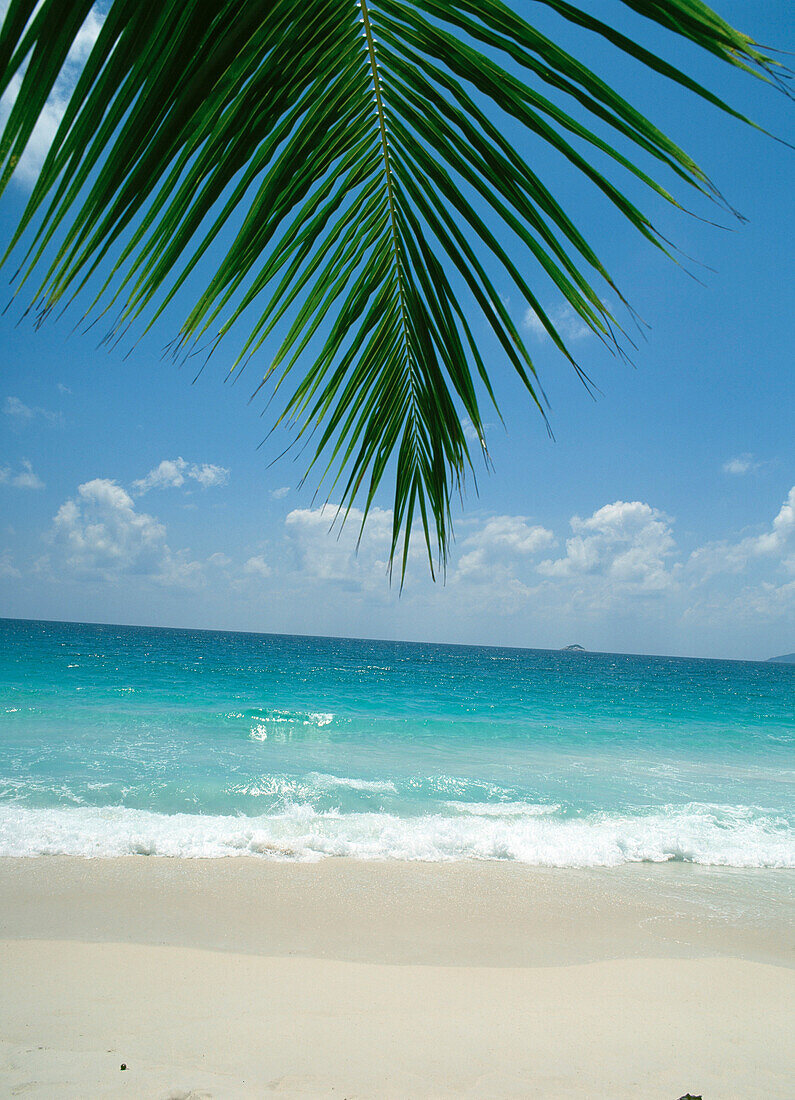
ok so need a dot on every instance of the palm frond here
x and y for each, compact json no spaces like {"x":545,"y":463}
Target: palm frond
{"x":348,"y":160}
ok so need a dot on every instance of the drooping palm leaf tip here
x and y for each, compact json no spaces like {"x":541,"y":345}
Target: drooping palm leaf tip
{"x":347,"y":159}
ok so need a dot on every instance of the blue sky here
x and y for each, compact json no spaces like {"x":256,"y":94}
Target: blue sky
{"x":661,"y":519}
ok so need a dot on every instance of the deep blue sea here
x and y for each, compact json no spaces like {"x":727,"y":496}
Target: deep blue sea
{"x":120,"y":739}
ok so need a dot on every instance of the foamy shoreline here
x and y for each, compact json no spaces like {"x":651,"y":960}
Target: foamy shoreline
{"x":535,"y":834}
{"x":242,"y":977}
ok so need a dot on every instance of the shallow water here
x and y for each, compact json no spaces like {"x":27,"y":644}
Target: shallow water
{"x":118,"y":740}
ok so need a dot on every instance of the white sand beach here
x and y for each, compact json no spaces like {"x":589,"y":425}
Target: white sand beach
{"x":245,"y":978}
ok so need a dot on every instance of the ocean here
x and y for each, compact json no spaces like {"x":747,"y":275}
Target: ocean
{"x":119,"y":740}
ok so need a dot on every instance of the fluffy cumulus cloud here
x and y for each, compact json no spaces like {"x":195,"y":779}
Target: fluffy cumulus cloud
{"x":327,"y":551}
{"x":625,"y":547}
{"x":763,"y":602}
{"x":256,"y":566}
{"x":209,"y":475}
{"x":498,"y":540}
{"x":41,"y":138}
{"x":772,"y":547}
{"x":618,"y":568}
{"x":173,"y":473}
{"x":779,"y":539}
{"x":99,"y":533}
{"x":743,"y":583}
{"x":22,"y":478}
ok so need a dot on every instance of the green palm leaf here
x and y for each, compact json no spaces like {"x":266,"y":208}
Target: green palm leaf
{"x":348,"y":162}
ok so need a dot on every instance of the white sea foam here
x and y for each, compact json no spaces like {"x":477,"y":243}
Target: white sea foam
{"x":505,"y":809}
{"x":310,"y":786}
{"x":717,"y":836}
{"x":376,"y":786}
{"x":261,"y":728}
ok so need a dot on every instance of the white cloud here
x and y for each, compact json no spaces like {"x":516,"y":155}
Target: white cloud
{"x":209,"y":475}
{"x":172,"y":473}
{"x":279,"y":494}
{"x":624,"y":546}
{"x":100,"y":530}
{"x":569,"y":324}
{"x":470,"y":431}
{"x":760,"y":602}
{"x":22,"y":413}
{"x":14,"y":407}
{"x":7,"y":567}
{"x":779,"y":536}
{"x":741,"y":464}
{"x":620,"y":558}
{"x":178,"y":571}
{"x":513,"y":532}
{"x":100,"y":533}
{"x":257,"y":567}
{"x":499,"y":538}
{"x":25,"y":478}
{"x":331,"y":555}
{"x":219,"y":560}
{"x":62,"y":388}
{"x":777,"y":543}
{"x":49,"y":120}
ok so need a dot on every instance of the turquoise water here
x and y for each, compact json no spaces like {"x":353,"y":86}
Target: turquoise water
{"x":118,"y":740}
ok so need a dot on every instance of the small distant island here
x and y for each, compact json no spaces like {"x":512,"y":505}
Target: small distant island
{"x":784,"y":659}
{"x":581,"y":649}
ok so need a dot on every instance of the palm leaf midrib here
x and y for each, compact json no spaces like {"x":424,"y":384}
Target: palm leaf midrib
{"x":357,"y":144}
{"x":397,"y":256}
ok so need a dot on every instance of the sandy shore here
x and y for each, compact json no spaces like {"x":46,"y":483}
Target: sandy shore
{"x":244,"y":978}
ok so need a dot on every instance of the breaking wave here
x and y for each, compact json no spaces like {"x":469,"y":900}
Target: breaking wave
{"x":535,"y":835}
{"x":280,"y":722}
